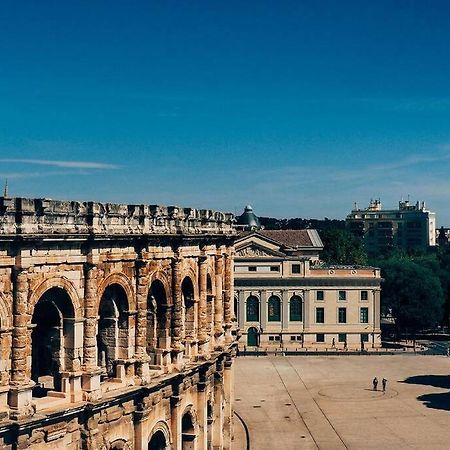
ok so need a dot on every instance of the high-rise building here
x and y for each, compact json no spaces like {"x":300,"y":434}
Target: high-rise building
{"x":408,"y":228}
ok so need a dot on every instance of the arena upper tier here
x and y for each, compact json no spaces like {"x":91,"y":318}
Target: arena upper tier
{"x":115,"y":326}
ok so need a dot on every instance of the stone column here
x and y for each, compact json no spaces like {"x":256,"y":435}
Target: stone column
{"x":263,"y":310}
{"x":142,"y":359}
{"x":285,"y":310}
{"x":217,"y":435}
{"x":20,"y":393}
{"x":175,"y":419}
{"x":307,"y":319}
{"x":5,"y":364}
{"x":229,"y":297}
{"x":218,"y":306}
{"x":202,"y":415}
{"x":228,"y":383}
{"x":177,"y":314}
{"x":202,"y":312}
{"x":91,"y":372}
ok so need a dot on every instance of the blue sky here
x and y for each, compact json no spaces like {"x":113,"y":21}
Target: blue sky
{"x":299,"y":108}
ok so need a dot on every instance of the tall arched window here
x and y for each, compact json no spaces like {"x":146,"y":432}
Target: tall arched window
{"x":252,"y":309}
{"x":295,"y":309}
{"x":236,"y":308}
{"x":274,"y":309}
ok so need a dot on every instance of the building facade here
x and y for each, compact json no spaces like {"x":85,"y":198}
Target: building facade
{"x":115,"y":326}
{"x":408,"y":228}
{"x":285,"y":297}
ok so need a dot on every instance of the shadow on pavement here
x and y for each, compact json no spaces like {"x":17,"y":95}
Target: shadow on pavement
{"x":436,"y":401}
{"x":440,"y":381}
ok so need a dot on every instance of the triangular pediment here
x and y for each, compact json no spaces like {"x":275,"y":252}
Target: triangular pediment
{"x":257,"y":246}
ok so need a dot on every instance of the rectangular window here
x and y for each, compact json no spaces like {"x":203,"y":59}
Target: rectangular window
{"x":364,"y":337}
{"x":364,"y":315}
{"x":252,"y":269}
{"x":270,"y":338}
{"x":320,"y":315}
{"x":364,"y":296}
{"x":277,"y":338}
{"x":319,"y":296}
{"x":295,"y":268}
{"x":274,"y":268}
{"x":342,"y":315}
{"x":342,"y":337}
{"x":292,"y":338}
{"x":320,"y":337}
{"x":342,"y":296}
{"x":299,"y":338}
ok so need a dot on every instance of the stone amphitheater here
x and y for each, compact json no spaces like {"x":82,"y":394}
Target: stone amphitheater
{"x":116,"y":326}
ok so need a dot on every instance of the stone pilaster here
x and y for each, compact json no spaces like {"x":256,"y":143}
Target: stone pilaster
{"x":20,"y":393}
{"x":218,"y":306}
{"x":177,"y":312}
{"x":202,"y":312}
{"x":229,"y":297}
{"x":228,"y":383}
{"x":91,"y":371}
{"x":142,"y":359}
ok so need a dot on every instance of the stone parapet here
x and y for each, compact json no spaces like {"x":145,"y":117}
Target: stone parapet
{"x":27,"y":216}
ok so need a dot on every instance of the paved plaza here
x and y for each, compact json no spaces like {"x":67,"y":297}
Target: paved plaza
{"x":309,"y":402}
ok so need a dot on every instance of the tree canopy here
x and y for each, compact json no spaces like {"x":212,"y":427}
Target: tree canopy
{"x":342,"y":247}
{"x":412,"y":292}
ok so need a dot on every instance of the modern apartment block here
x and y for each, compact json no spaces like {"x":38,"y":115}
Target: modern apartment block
{"x":408,"y":228}
{"x":285,"y":296}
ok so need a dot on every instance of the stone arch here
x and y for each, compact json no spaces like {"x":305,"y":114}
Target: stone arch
{"x":163,"y":429}
{"x":164,"y":278}
{"x":189,"y":308}
{"x":113,"y":328}
{"x":54,"y":338}
{"x":119,"y":444}
{"x":192,"y":272}
{"x":61,"y":282}
{"x":158,"y":318}
{"x":189,"y":428}
{"x":122,"y":280}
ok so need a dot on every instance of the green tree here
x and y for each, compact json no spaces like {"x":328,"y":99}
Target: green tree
{"x":342,"y":247}
{"x":412,"y":292}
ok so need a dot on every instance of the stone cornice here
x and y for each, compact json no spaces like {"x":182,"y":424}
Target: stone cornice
{"x":25,"y":216}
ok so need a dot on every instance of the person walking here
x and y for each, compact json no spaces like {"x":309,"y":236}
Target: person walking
{"x":383,"y":383}
{"x":375,"y":383}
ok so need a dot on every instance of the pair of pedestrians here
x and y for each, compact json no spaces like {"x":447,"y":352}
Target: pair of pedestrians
{"x":375,"y":384}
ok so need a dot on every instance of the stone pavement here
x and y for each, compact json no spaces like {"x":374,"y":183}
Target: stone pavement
{"x":327,"y":402}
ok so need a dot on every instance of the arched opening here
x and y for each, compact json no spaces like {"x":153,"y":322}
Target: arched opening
{"x":252,"y":309}
{"x":187,"y":289}
{"x":209,"y":304}
{"x":158,"y":441}
{"x":274,"y":309}
{"x":158,"y":327}
{"x":295,"y":309}
{"x":51,"y":340}
{"x":252,"y":337}
{"x":236,"y":308}
{"x":187,"y":432}
{"x":112,"y":336}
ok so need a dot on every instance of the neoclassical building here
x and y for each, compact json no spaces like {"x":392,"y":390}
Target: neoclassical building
{"x":115,"y":326}
{"x":285,"y":296}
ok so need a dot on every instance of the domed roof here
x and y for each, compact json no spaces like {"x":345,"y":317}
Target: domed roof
{"x":248,"y":219}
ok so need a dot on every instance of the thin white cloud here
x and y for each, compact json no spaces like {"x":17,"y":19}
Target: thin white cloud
{"x":65,"y":164}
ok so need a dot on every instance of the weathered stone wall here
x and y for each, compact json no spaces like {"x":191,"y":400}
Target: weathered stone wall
{"x":136,"y":350}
